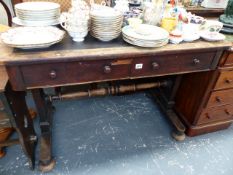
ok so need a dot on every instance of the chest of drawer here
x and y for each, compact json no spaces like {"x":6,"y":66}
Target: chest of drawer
{"x":172,"y":63}
{"x":219,"y":98}
{"x":74,"y":72}
{"x":225,"y":80}
{"x":216,"y":114}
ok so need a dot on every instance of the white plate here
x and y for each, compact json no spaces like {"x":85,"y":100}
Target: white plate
{"x":32,"y":37}
{"x":152,"y":32}
{"x":143,"y":44}
{"x":210,"y":36}
{"x":34,"y":23}
{"x":37,"y":6}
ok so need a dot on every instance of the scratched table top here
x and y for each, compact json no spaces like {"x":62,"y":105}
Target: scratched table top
{"x":93,"y":48}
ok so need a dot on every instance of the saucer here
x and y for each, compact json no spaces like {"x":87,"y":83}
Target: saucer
{"x":212,"y":36}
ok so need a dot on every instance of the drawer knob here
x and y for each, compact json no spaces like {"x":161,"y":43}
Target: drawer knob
{"x":228,"y":81}
{"x":207,"y":115}
{"x":196,"y":61}
{"x":218,"y":99}
{"x":107,"y":69}
{"x":227,"y":112}
{"x":155,"y":66}
{"x":53,"y":74}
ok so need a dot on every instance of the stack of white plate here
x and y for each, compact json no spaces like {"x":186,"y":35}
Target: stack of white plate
{"x":32,"y":37}
{"x":37,"y":13}
{"x":145,"y":35}
{"x":106,"y":23}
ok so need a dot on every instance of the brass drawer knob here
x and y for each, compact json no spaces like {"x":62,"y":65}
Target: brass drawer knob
{"x":53,"y":74}
{"x":228,"y":81}
{"x":155,"y":66}
{"x":107,"y":69}
{"x":196,"y":61}
{"x":218,"y":99}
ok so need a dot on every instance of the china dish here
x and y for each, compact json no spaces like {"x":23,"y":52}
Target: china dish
{"x":151,"y":37}
{"x":32,"y":37}
{"x":106,"y":23}
{"x":37,"y":14}
{"x":212,"y":36}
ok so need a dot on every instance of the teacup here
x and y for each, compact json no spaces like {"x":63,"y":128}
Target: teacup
{"x":76,"y":27}
{"x":211,"y":26}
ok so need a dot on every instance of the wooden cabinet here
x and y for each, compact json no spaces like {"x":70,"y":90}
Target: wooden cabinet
{"x":204,"y":101}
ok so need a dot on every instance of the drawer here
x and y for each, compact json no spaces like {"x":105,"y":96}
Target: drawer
{"x":225,"y":80}
{"x":74,"y":72}
{"x":229,"y":59}
{"x":216,"y":114}
{"x":219,"y":98}
{"x":172,"y":64}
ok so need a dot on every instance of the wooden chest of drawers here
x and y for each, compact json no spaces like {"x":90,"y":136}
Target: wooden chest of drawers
{"x":208,"y":106}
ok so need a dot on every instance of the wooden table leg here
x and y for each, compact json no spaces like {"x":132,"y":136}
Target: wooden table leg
{"x":165,"y":99}
{"x":44,"y":109}
{"x":16,"y":107}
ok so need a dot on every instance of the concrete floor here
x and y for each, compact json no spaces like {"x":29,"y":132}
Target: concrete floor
{"x":124,"y":135}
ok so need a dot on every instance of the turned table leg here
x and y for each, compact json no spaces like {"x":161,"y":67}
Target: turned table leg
{"x":44,"y":109}
{"x":16,"y":107}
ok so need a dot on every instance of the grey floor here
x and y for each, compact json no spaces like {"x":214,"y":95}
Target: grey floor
{"x":125,"y":135}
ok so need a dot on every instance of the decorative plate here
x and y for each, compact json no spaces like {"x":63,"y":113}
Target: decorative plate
{"x":32,"y":37}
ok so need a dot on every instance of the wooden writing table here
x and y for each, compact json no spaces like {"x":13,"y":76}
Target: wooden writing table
{"x":70,"y":63}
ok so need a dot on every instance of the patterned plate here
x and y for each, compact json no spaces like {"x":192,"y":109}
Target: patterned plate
{"x":32,"y":37}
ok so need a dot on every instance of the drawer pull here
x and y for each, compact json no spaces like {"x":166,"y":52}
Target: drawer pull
{"x":227,"y":112}
{"x":218,"y":99}
{"x":107,"y":69}
{"x":207,"y":115}
{"x":53,"y":74}
{"x":196,"y":61}
{"x":155,"y":66}
{"x":228,"y":81}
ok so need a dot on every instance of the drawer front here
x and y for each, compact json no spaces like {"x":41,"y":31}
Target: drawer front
{"x":74,"y":72}
{"x":229,"y":60}
{"x":220,"y":98}
{"x":216,"y":114}
{"x":171,"y":64}
{"x":225,"y":80}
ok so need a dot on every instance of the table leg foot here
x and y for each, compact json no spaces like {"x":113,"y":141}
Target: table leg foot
{"x":46,"y":167}
{"x":2,"y":153}
{"x":178,"y":136}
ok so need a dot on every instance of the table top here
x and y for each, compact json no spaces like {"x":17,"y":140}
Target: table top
{"x":92,"y":48}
